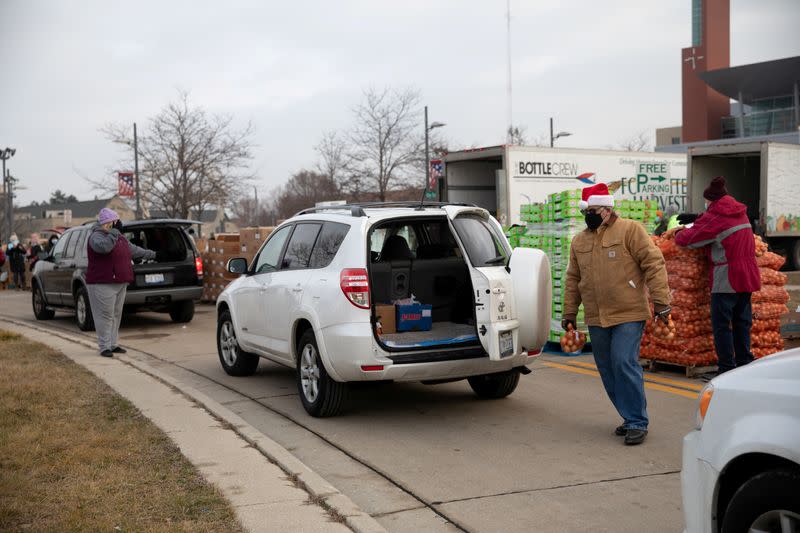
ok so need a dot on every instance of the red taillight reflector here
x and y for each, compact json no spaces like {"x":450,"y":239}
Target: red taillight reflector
{"x":371,"y":368}
{"x":198,"y":266}
{"x":534,"y":353}
{"x":355,"y":285}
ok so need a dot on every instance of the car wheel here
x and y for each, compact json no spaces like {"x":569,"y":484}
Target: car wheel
{"x":83,"y":310}
{"x":766,"y":502}
{"x":493,"y":386}
{"x":181,"y":312}
{"x":235,"y":361}
{"x":320,"y":394}
{"x":40,"y":310}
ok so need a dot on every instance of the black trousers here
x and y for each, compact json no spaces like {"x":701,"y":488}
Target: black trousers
{"x":731,"y":320}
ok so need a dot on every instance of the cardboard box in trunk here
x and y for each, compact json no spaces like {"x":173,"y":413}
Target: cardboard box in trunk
{"x":387,"y":316}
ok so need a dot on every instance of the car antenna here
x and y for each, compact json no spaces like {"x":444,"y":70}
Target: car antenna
{"x":421,"y":206}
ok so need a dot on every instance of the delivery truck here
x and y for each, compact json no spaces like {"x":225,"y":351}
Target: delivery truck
{"x":763,"y":175}
{"x":503,"y":178}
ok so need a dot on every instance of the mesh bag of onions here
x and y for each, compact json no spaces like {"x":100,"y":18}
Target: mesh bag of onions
{"x":769,"y":303}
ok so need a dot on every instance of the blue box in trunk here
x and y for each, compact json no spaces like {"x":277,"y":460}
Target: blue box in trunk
{"x":414,"y":317}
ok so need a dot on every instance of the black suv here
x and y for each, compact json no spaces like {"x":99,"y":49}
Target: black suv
{"x":172,"y":285}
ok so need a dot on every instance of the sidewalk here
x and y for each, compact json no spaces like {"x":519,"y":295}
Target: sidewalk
{"x":269,"y":489}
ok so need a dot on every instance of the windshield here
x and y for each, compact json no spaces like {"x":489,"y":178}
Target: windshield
{"x":483,"y":243}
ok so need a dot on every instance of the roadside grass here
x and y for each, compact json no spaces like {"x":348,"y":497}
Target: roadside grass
{"x":75,"y":456}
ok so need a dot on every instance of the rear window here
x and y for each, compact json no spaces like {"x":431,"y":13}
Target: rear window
{"x":484,"y":244}
{"x":328,"y":243}
{"x":165,"y":239}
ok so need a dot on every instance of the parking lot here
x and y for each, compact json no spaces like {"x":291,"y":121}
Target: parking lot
{"x":435,"y":458}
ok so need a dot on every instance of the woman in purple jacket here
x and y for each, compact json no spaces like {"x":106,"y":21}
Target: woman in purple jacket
{"x":107,"y":277}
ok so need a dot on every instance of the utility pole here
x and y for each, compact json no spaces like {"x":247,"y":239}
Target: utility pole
{"x":8,"y":153}
{"x":136,"y":173}
{"x":427,"y":156}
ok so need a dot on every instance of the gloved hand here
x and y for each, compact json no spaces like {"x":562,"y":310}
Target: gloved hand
{"x":117,"y":225}
{"x":662,"y":312}
{"x":161,"y":257}
{"x":569,"y":319}
{"x":670,"y":233}
{"x":687,"y":218}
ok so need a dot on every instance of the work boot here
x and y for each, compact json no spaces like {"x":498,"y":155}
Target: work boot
{"x":621,"y":431}
{"x":119,"y":349}
{"x":107,"y":353}
{"x":635,"y":436}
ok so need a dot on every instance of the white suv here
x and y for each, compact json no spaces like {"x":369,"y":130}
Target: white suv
{"x":311,"y":299}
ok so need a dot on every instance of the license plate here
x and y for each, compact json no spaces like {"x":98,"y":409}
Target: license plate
{"x":506,"y":343}
{"x":154,"y":278}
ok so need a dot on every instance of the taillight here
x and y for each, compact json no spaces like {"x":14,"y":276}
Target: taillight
{"x":355,"y":285}
{"x":198,"y":266}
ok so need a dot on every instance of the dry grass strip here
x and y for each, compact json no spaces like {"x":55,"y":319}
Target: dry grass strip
{"x":75,"y":456}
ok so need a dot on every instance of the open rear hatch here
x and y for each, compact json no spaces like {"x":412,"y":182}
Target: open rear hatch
{"x":179,"y":260}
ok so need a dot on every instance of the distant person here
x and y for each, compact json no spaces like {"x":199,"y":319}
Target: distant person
{"x":3,"y":271}
{"x":107,"y":277}
{"x":16,"y":256}
{"x":668,"y":220}
{"x":724,"y":231}
{"x":51,"y":243}
{"x":35,"y":251}
{"x":613,"y":264}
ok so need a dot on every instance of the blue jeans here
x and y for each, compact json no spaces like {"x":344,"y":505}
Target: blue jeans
{"x":616,"y":354}
{"x":731,"y":320}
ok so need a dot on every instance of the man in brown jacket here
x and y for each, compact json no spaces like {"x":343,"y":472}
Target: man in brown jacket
{"x":610,"y":264}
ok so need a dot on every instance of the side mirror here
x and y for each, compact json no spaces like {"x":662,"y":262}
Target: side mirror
{"x":237,"y":265}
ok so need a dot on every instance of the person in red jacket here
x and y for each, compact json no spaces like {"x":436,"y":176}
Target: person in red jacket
{"x":725,"y":233}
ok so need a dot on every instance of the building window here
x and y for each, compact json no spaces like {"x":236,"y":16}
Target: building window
{"x":697,"y":22}
{"x":676,"y":140}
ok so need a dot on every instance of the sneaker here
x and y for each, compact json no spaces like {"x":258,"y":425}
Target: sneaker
{"x":621,"y":431}
{"x":635,"y":436}
{"x":107,"y":353}
{"x":119,"y":349}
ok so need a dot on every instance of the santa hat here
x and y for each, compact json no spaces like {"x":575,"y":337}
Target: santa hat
{"x":716,"y":189}
{"x":596,"y":196}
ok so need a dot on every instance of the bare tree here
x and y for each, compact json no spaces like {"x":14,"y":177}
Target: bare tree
{"x":638,"y":142}
{"x":517,"y":135}
{"x":304,"y":189}
{"x":333,"y":156}
{"x":385,"y":140}
{"x":189,"y":160}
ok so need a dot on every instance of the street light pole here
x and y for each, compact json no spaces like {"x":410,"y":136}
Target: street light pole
{"x":557,"y":135}
{"x":136,"y":173}
{"x":7,"y":153}
{"x":427,"y":156}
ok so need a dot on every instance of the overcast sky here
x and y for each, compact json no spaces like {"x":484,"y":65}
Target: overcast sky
{"x":604,"y":70}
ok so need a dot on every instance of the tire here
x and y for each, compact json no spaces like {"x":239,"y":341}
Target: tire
{"x":182,"y":312}
{"x":762,"y":501}
{"x":494,"y":386}
{"x":40,"y":310}
{"x":234,"y":360}
{"x":83,"y":310}
{"x":320,"y":394}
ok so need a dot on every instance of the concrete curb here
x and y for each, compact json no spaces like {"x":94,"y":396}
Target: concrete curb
{"x":321,"y":491}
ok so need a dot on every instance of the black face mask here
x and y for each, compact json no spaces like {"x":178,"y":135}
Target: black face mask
{"x":593,"y":220}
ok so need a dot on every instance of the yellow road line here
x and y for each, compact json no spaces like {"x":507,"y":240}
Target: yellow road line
{"x":654,"y":386}
{"x":651,"y":376}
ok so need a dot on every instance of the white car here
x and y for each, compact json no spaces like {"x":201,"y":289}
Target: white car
{"x":312,"y":300}
{"x":741,"y":466}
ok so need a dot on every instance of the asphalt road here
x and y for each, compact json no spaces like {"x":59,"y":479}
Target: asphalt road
{"x":435,"y":458}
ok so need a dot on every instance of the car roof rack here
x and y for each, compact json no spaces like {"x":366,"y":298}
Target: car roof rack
{"x":357,"y":209}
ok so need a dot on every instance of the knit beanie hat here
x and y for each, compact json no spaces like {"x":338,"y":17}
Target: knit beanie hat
{"x":596,"y":196}
{"x":107,"y":215}
{"x":716,"y":189}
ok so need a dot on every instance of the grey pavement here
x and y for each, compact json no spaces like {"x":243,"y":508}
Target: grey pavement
{"x":435,"y":458}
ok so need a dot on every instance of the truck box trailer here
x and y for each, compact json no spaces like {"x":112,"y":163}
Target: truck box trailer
{"x":763,"y":175}
{"x":503,"y":178}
